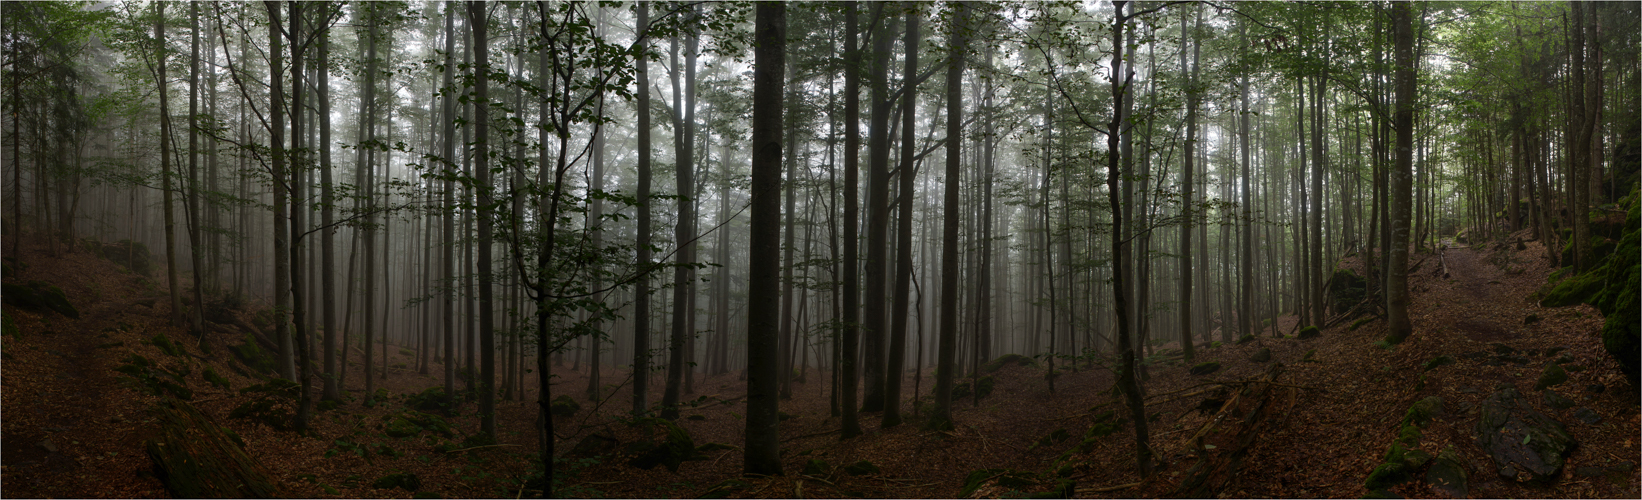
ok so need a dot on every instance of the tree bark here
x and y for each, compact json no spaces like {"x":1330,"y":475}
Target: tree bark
{"x":946,"y":357}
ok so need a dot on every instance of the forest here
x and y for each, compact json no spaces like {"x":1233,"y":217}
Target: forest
{"x":1360,"y":249}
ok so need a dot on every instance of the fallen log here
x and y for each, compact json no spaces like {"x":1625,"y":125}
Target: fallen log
{"x":196,"y":458}
{"x":1222,"y":443}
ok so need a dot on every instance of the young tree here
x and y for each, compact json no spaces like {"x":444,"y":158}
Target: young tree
{"x":641,"y":286}
{"x":903,"y":229}
{"x":852,"y":166}
{"x":479,"y":18}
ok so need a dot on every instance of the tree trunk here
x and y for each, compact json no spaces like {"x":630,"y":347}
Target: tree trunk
{"x":480,"y":19}
{"x":1398,"y":327}
{"x":852,"y":281}
{"x":903,"y":245}
{"x":641,"y":286}
{"x":877,"y":216}
{"x":946,"y":363}
{"x":763,"y":283}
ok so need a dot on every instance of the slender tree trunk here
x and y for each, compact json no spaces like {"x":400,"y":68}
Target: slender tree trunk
{"x":1188,"y":187}
{"x":877,"y":217}
{"x":165,"y":170}
{"x":480,"y":19}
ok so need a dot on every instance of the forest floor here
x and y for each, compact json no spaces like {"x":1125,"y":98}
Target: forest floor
{"x":74,"y":427}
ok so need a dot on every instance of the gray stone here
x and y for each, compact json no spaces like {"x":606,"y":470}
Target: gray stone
{"x":48,"y":446}
{"x":1262,"y":356}
{"x":1525,"y":444}
{"x":1554,"y":400}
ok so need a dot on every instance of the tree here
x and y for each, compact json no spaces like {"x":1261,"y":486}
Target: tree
{"x":684,"y":140}
{"x":877,"y":215}
{"x":1187,"y":184}
{"x":903,"y":246}
{"x":1398,"y":327}
{"x":763,"y":284}
{"x":852,"y":167}
{"x":641,"y":287}
{"x":946,"y":361}
{"x":479,"y":18}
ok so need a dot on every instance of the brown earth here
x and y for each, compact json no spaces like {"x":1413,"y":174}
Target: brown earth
{"x":59,"y":386}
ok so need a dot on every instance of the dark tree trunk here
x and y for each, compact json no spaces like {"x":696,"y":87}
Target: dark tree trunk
{"x":763,"y":283}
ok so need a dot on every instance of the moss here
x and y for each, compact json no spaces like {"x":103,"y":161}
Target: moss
{"x":1005,"y":360}
{"x":401,"y":427}
{"x":7,"y":327}
{"x":1245,"y":339}
{"x":165,"y":345}
{"x":1310,"y":332}
{"x":564,"y":406}
{"x":430,"y":399}
{"x":1443,"y":360}
{"x":1310,"y":355}
{"x":816,"y":467}
{"x":1573,"y":290}
{"x":1359,"y":323}
{"x":1622,"y":278}
{"x":252,"y":355}
{"x":1205,"y":368}
{"x":861,"y":468}
{"x":39,"y":296}
{"x":1551,"y":376}
{"x":1421,"y":412}
{"x":213,"y":378}
{"x":1386,"y":476}
{"x":406,"y":481}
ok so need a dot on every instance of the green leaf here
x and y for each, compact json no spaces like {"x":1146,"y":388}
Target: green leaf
{"x":1527,"y":438}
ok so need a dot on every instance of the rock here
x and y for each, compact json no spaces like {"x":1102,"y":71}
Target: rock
{"x":675,"y":448}
{"x":1414,"y":459}
{"x":1525,"y":444}
{"x":1438,"y":361}
{"x":1589,"y":471}
{"x":1381,"y":494}
{"x":1262,"y":356}
{"x":406,"y":481}
{"x":861,"y":468}
{"x":1467,"y":390}
{"x":1310,"y":332}
{"x":1596,"y":388}
{"x":816,"y":467}
{"x":1422,"y":411}
{"x":696,"y":417}
{"x":1447,"y":475}
{"x":48,"y":446}
{"x":1245,"y":339}
{"x":1587,"y":416}
{"x":714,"y":447}
{"x":1531,"y":319}
{"x":1502,"y":348}
{"x":1554,"y":400}
{"x":1005,"y":360}
{"x":39,"y":296}
{"x":401,"y":427}
{"x":1386,"y":476}
{"x":593,"y":445}
{"x":1205,"y":368}
{"x":1553,"y":375}
{"x":564,"y":406}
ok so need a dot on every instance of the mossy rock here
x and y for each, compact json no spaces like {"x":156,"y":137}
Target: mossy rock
{"x":1261,"y":356}
{"x":1622,"y":280}
{"x":595,"y":444}
{"x":1245,"y":339}
{"x":1056,"y":436}
{"x":1573,"y":290}
{"x":1387,"y":475}
{"x":210,"y":375}
{"x":1310,"y":356}
{"x":1421,"y":412}
{"x":1309,"y":332}
{"x":861,"y":468}
{"x":1005,"y":360}
{"x":251,"y":354}
{"x":1527,"y":445}
{"x":1359,"y":323}
{"x":430,"y":399}
{"x":983,"y":387}
{"x":1447,"y":474}
{"x":1205,"y":368}
{"x":401,"y":427}
{"x":1443,"y":360}
{"x":1345,"y":289}
{"x":132,"y":255}
{"x":405,"y":481}
{"x":39,"y":296}
{"x":165,"y":345}
{"x":564,"y":406}
{"x":815,"y":467}
{"x":675,"y":447}
{"x":1551,"y":376}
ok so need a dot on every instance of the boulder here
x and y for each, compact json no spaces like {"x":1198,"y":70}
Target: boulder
{"x":1310,"y":332}
{"x":1525,"y":444}
{"x":1005,"y":360}
{"x":593,"y":445}
{"x":1262,"y":356}
{"x":564,"y":406}
{"x":1558,"y":401}
{"x":1205,"y":368}
{"x":1447,"y":475}
{"x":673,"y":450}
{"x":1551,"y":376}
{"x":39,"y":296}
{"x":1588,"y":416}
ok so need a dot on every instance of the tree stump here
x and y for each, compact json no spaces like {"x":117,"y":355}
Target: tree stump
{"x":196,"y":458}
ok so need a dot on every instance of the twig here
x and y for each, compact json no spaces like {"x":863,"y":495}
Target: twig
{"x":1107,"y":488}
{"x":822,"y":433}
{"x":806,"y":476}
{"x":478,"y":447}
